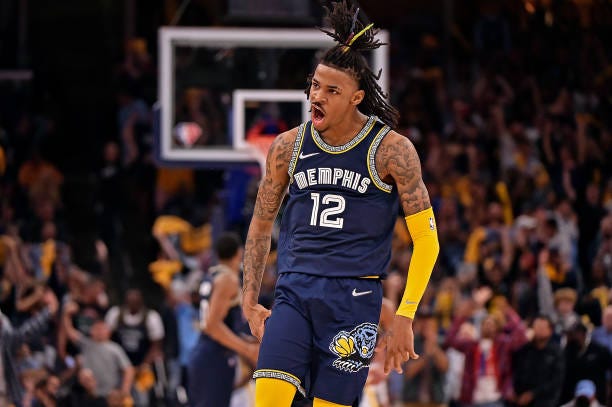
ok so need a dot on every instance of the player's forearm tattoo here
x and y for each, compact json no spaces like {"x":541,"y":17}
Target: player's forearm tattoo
{"x":400,"y":160}
{"x":269,"y":198}
{"x":255,"y":253}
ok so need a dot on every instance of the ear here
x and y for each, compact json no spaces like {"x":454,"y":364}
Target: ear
{"x":357,"y":97}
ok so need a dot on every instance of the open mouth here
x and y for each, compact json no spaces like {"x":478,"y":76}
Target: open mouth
{"x":317,"y":114}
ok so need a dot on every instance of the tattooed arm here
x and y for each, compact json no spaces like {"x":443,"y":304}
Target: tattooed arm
{"x":269,"y":197}
{"x":398,"y":162}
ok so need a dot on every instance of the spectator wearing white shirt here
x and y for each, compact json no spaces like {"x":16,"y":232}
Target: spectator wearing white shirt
{"x":140,"y":332}
{"x":138,"y":329}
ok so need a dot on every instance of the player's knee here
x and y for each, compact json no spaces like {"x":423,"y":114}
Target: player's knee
{"x":324,"y":403}
{"x":273,"y":393}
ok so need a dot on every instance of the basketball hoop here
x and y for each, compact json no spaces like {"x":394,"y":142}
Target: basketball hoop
{"x":181,"y":146}
{"x":259,"y":145}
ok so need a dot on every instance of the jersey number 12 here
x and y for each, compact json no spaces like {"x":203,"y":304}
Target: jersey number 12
{"x":323,"y":219}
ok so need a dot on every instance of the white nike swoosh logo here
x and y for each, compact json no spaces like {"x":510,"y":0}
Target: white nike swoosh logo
{"x":302,"y":155}
{"x":358,"y":294}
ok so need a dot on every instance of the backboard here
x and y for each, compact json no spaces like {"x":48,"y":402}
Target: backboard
{"x":220,"y":86}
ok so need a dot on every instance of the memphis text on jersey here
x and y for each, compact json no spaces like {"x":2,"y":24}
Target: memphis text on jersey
{"x":332,"y":176}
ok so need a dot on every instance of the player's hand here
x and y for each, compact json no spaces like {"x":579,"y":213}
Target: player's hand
{"x":251,"y":353}
{"x":400,"y":344}
{"x":256,"y":315}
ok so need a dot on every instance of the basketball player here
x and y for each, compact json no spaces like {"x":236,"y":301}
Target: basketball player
{"x":345,"y":170}
{"x":214,"y":360}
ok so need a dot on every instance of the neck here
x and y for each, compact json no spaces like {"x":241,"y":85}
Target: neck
{"x":346,"y":130}
{"x":229,"y":264}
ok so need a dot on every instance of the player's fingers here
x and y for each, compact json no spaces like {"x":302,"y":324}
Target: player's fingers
{"x":408,"y":350}
{"x":397,"y":363}
{"x":392,"y":361}
{"x":387,"y":367}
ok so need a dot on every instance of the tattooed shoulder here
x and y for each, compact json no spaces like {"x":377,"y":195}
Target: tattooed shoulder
{"x":397,"y":162}
{"x":280,"y":151}
{"x":276,"y":178}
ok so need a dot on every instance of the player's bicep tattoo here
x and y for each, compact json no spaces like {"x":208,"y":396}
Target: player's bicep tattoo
{"x":398,"y":158}
{"x":274,"y":184}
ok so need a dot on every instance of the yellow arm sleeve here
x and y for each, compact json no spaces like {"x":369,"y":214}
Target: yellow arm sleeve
{"x":422,"y":228}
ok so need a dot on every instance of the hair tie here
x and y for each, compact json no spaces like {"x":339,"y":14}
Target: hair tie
{"x":351,"y":39}
{"x":360,"y":33}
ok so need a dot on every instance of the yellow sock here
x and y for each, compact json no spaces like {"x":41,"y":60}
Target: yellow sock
{"x":273,"y":392}
{"x":323,"y":403}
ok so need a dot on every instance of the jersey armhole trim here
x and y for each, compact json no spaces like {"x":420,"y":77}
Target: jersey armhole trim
{"x":279,"y":374}
{"x":372,"y":160}
{"x":297,"y":147}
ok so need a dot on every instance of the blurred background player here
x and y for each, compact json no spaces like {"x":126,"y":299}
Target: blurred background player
{"x":212,"y":369}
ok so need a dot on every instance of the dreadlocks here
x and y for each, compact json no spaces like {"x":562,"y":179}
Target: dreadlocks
{"x":353,"y":37}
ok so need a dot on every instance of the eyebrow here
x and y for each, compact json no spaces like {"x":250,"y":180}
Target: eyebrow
{"x":332,"y":87}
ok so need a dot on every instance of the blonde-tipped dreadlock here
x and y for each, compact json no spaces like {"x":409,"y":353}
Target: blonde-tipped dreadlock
{"x":353,"y":37}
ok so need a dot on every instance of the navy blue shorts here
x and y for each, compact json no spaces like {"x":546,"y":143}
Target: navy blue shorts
{"x":321,"y":335}
{"x":211,"y":374}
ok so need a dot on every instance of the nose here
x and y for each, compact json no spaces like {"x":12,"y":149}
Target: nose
{"x":315,"y":95}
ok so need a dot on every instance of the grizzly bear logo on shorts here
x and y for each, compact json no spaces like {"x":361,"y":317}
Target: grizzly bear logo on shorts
{"x":354,"y":349}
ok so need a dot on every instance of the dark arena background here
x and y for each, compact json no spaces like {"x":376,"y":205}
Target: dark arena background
{"x":133,"y":134}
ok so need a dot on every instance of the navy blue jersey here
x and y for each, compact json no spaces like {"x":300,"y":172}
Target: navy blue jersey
{"x":340,"y":215}
{"x":234,"y":319}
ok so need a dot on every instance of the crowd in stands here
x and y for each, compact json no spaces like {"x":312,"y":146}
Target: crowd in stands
{"x":514,"y":132}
